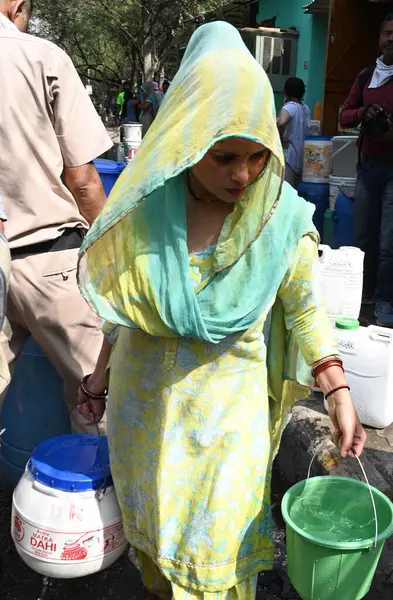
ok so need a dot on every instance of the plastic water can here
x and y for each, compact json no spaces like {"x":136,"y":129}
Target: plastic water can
{"x":344,"y":231}
{"x":342,"y":280}
{"x":315,"y":127}
{"x":132,"y":133}
{"x":63,"y":525}
{"x":345,"y":156}
{"x":130,"y":151}
{"x":346,"y":185}
{"x":367,"y":353}
{"x":317,"y":164}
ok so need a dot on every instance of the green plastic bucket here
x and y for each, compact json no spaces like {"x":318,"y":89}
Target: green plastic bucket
{"x":321,"y":567}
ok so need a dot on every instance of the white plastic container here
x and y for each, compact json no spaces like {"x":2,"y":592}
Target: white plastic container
{"x":345,"y":156}
{"x":132,"y":133}
{"x":120,"y":153}
{"x":317,"y":164}
{"x":130,"y":151}
{"x":367,"y":353}
{"x":63,"y":526}
{"x":342,"y":281}
{"x":340,"y":184}
{"x":315,"y":128}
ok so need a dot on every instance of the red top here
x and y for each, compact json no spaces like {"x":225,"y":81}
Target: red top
{"x":356,"y":99}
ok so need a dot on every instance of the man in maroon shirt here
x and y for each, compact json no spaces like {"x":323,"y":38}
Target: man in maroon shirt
{"x":370,"y":102}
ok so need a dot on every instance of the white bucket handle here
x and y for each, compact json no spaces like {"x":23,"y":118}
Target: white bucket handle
{"x":337,"y":152}
{"x":365,"y":477}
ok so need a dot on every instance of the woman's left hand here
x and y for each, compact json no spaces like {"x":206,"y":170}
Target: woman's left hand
{"x":348,"y":431}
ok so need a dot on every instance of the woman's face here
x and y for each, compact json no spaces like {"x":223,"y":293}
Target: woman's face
{"x":230,"y":167}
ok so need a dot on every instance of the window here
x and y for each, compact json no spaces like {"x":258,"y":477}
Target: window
{"x":276,"y":51}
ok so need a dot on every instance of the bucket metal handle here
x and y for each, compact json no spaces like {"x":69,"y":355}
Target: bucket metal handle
{"x":365,"y":477}
{"x":343,"y":147}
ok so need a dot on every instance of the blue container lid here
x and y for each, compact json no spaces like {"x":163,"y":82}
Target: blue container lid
{"x":72,"y":463}
{"x":109,"y":167}
{"x":320,"y":138}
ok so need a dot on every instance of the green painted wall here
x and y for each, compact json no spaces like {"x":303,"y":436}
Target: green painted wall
{"x":312,"y":43}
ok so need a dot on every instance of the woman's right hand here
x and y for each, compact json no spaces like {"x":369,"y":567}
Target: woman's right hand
{"x":93,"y":410}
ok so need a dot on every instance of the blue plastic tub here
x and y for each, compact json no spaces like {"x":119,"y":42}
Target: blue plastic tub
{"x":317,"y":194}
{"x":109,"y":172}
{"x":33,"y":411}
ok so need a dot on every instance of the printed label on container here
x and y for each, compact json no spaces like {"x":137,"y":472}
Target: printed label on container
{"x":59,"y":546}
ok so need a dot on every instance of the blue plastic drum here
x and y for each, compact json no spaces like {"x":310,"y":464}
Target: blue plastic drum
{"x":344,"y":230}
{"x":33,"y":411}
{"x":317,"y":194}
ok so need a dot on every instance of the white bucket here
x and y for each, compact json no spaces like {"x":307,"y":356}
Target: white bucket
{"x":341,"y":184}
{"x":342,"y":281}
{"x":317,"y":164}
{"x":345,"y":156}
{"x":132,"y":133}
{"x":130,"y":151}
{"x":367,"y":353}
{"x":61,"y":526}
{"x":315,"y":128}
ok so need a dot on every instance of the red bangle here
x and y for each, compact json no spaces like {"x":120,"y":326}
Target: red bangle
{"x":337,"y":389}
{"x":327,"y":365}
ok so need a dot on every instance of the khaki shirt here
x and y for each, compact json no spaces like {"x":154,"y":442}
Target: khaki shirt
{"x":46,"y":121}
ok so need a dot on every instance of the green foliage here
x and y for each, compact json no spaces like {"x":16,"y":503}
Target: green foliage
{"x":115,"y":40}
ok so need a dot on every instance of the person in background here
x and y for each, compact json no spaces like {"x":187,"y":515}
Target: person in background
{"x":150,"y":100}
{"x":52,"y":194}
{"x":201,"y":381}
{"x":120,"y":103}
{"x":294,"y":127}
{"x":159,"y":96}
{"x":129,"y":111}
{"x":165,"y":86}
{"x":370,"y":103}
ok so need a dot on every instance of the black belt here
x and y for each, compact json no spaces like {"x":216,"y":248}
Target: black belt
{"x":69,"y":239}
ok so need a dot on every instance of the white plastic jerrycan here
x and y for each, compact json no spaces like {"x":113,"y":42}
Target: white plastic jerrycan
{"x":342,"y":281}
{"x":367,"y":353}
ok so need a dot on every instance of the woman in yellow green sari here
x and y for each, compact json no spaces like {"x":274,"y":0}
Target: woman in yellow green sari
{"x":204,"y":267}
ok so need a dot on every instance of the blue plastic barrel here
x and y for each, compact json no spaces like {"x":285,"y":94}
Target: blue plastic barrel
{"x":33,"y":411}
{"x":344,"y":230}
{"x":317,"y":194}
{"x":109,"y":172}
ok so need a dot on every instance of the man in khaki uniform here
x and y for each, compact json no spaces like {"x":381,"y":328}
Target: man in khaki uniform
{"x":5,"y":269}
{"x":50,"y":133}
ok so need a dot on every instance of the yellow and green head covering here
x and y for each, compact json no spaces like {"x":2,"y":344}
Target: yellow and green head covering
{"x":134,"y":264}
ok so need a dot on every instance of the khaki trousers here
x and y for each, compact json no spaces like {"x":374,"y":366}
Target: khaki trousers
{"x":44,"y":301}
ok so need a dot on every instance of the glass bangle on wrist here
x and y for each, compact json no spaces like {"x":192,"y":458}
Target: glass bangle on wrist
{"x":89,"y":394}
{"x":326,"y":363}
{"x":337,"y":389}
